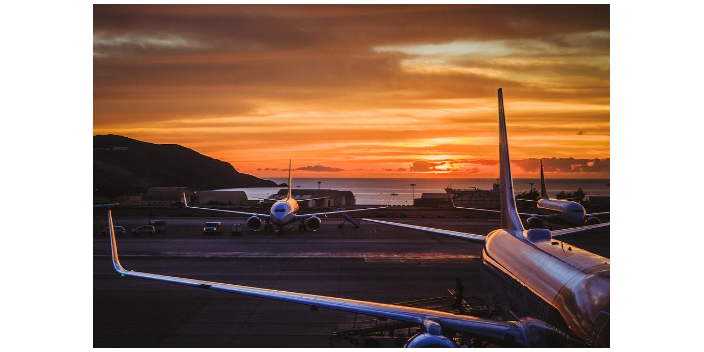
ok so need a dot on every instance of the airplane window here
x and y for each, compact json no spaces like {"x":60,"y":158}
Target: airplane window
{"x":280,"y":210}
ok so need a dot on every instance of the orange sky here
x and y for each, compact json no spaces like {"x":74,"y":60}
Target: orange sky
{"x":360,"y":91}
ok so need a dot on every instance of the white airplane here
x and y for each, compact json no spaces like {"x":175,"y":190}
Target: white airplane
{"x":282,"y":213}
{"x":560,"y":295}
{"x":553,"y":210}
{"x":559,"y":210}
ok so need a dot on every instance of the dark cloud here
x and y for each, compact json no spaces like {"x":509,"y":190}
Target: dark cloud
{"x":565,"y":165}
{"x":425,"y":166}
{"x":319,"y":168}
{"x":473,"y":170}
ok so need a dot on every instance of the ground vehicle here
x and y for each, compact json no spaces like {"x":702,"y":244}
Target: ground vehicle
{"x":119,"y":230}
{"x":159,"y":225}
{"x":212,"y":228}
{"x":144,"y":230}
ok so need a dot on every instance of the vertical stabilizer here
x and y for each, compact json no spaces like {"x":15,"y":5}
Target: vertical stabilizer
{"x":289,"y":179}
{"x":543,"y":191}
{"x":509,"y":215}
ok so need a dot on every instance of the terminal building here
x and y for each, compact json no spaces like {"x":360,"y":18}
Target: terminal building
{"x":170,"y":196}
{"x":318,"y":198}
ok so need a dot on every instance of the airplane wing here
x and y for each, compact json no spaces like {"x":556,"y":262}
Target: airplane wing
{"x":511,"y":333}
{"x":599,"y":214}
{"x":493,"y":211}
{"x":264,"y":216}
{"x":558,"y":233}
{"x":305,"y":216}
{"x":105,"y":205}
{"x":463,"y":235}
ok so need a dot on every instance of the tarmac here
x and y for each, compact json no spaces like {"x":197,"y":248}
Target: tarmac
{"x":375,"y":262}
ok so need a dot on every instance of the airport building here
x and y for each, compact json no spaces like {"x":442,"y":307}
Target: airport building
{"x":433,"y":200}
{"x":169,"y":196}
{"x":325,"y":198}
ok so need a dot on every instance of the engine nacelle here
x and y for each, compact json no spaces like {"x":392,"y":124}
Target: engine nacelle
{"x":254,"y":223}
{"x":429,"y":340}
{"x":534,"y":222}
{"x":313,"y":222}
{"x":592,"y":220}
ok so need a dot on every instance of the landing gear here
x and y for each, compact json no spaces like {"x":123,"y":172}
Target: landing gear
{"x":302,"y":227}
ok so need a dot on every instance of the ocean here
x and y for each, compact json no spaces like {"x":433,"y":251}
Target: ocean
{"x":378,"y":191}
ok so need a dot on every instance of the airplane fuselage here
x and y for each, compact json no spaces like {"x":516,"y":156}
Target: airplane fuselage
{"x":567,"y":287}
{"x":570,"y":213}
{"x":283,"y":212}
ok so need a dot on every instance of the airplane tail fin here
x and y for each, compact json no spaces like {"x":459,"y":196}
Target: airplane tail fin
{"x":509,"y":214}
{"x":289,"y":179}
{"x":543,"y":192}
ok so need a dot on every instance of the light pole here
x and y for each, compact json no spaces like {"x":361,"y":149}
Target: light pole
{"x":413,"y":188}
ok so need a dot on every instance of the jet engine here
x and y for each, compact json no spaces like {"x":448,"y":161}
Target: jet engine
{"x":429,"y":340}
{"x":313,"y":222}
{"x":254,"y":223}
{"x":534,"y":222}
{"x":592,"y":220}
{"x":432,"y":337}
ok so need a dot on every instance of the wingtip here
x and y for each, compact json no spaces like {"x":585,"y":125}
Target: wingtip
{"x":113,"y":246}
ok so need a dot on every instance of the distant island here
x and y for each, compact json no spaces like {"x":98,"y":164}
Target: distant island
{"x":123,"y":166}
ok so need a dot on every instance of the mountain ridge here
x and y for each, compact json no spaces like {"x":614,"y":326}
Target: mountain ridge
{"x":123,"y":165}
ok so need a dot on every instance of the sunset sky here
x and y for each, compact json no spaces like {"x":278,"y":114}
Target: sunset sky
{"x":360,"y":90}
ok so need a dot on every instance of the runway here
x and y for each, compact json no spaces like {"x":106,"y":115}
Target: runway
{"x":374,"y":263}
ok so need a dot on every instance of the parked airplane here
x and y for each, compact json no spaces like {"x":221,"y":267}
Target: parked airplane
{"x":559,"y":210}
{"x":554,"y":210}
{"x":561,"y":295}
{"x":282,"y":213}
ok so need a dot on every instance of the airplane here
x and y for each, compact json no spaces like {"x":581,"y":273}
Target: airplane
{"x":282,"y":212}
{"x":561,"y":296}
{"x":552,"y":210}
{"x":559,"y":210}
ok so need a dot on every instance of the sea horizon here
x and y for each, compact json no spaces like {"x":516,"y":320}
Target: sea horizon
{"x":398,"y":191}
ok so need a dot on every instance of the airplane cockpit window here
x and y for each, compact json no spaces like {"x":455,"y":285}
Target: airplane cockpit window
{"x":280,"y":210}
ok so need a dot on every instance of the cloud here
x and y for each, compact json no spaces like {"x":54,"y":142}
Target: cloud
{"x":565,"y":165}
{"x":425,"y":166}
{"x":319,"y":168}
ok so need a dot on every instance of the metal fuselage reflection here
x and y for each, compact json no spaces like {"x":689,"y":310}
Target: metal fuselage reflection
{"x":564,"y":286}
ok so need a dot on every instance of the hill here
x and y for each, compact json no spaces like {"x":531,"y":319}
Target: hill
{"x":123,"y":166}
